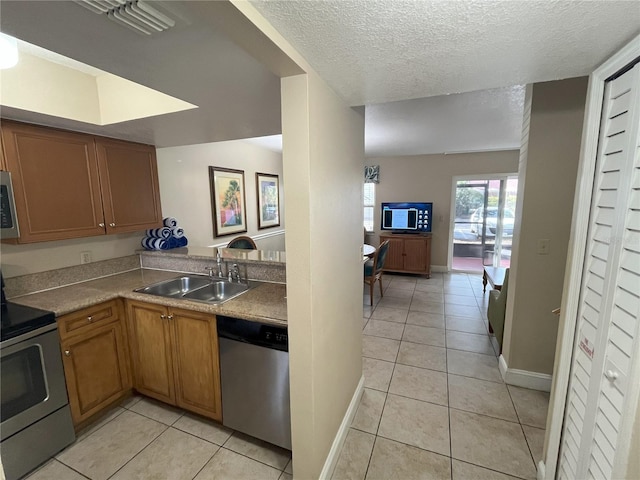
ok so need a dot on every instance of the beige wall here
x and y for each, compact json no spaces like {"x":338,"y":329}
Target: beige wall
{"x":429,"y":178}
{"x":323,"y":152}
{"x":39,"y":257}
{"x":185,"y":191}
{"x":545,"y":203}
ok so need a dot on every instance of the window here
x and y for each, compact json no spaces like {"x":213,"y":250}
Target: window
{"x":369,"y":204}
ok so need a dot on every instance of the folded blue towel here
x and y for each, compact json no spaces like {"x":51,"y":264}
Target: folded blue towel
{"x":181,"y":242}
{"x":177,"y":232}
{"x":163,"y":233}
{"x":169,"y":222}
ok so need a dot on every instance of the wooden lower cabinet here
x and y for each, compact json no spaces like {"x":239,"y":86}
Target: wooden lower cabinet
{"x":175,"y":357}
{"x":95,"y":358}
{"x":408,"y":253}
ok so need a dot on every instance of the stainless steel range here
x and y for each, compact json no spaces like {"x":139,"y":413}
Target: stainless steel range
{"x":35,"y":416}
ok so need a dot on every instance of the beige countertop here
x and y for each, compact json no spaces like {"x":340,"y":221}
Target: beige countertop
{"x":265,"y":303}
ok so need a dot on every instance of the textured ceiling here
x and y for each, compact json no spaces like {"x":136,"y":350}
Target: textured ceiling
{"x":374,"y":51}
{"x":473,"y":121}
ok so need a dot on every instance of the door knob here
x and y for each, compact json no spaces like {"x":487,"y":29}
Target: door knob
{"x":101,"y":225}
{"x":170,"y":317}
{"x":163,"y":316}
{"x":67,"y":353}
{"x":112,"y":224}
{"x":611,"y":375}
{"x":90,"y":318}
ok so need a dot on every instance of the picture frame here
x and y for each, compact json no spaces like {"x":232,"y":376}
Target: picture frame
{"x":228,"y":201}
{"x":268,"y":198}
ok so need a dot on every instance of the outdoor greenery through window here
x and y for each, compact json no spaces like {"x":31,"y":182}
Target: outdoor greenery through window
{"x":369,"y":204}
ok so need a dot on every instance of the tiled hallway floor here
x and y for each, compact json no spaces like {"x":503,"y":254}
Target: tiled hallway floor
{"x":434,"y":407}
{"x":434,"y":404}
{"x":144,"y":439}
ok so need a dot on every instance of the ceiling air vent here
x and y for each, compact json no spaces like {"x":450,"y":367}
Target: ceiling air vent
{"x":133,"y":14}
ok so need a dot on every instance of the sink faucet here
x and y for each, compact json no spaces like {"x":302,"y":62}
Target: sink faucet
{"x":210,"y":270}
{"x":235,"y":273}
{"x":219,"y":264}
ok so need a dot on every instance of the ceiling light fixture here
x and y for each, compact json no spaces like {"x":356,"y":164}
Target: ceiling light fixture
{"x":8,"y":51}
{"x":133,"y":14}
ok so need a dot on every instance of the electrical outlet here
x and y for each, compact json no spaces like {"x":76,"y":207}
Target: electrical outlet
{"x":85,"y":257}
{"x":543,"y":246}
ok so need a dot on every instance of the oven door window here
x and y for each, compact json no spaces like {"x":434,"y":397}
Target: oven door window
{"x":23,"y":381}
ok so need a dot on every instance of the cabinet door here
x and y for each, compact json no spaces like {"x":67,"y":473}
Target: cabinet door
{"x":395,"y":255}
{"x":197,"y":369}
{"x":149,"y":337}
{"x":129,"y":182}
{"x":96,"y":370}
{"x":55,"y":183}
{"x":415,"y":255}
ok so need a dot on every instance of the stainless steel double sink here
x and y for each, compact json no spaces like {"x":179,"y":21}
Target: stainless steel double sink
{"x":198,"y":288}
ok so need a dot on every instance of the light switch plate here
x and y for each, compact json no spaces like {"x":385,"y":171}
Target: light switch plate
{"x":543,"y":246}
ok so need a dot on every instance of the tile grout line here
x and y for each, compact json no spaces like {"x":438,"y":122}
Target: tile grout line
{"x":142,"y":450}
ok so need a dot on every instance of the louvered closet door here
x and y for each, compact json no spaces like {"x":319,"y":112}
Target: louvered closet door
{"x":604,"y":374}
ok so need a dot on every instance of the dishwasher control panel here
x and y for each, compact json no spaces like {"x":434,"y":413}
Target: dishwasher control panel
{"x":246,"y":331}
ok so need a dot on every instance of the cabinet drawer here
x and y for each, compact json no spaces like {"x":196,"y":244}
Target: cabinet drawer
{"x":78,"y":322}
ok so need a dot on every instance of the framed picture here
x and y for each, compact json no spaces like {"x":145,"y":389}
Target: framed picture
{"x":227,"y":201}
{"x":268,"y":194}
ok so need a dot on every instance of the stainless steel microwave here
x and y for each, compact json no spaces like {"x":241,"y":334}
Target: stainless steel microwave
{"x":8,"y":219}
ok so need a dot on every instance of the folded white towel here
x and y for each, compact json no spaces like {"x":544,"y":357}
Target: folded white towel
{"x":163,"y":232}
{"x":177,"y":232}
{"x":170,"y":222}
{"x":152,"y":243}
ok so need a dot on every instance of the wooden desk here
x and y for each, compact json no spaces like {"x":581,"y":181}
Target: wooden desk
{"x":494,"y":276}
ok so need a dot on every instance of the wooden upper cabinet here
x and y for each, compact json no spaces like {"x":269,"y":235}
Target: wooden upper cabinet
{"x":69,"y":185}
{"x":129,"y":181}
{"x":55,"y":182}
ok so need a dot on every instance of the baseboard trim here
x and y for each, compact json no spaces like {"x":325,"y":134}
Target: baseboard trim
{"x":338,"y":441}
{"x":524,"y":378}
{"x":541,"y":471}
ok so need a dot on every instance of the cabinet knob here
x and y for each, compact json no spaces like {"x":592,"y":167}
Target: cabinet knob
{"x":67,"y":353}
{"x":90,"y":318}
{"x":112,"y":224}
{"x":163,"y":316}
{"x":170,"y":317}
{"x":101,"y":225}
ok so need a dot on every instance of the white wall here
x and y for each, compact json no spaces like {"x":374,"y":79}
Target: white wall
{"x":323,"y":159}
{"x":185,"y":191}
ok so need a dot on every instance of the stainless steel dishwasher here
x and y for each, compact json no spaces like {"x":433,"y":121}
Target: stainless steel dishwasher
{"x":254,"y":370}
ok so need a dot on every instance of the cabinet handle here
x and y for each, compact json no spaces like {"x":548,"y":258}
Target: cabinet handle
{"x":101,"y":225}
{"x":163,"y":316}
{"x":90,"y":318}
{"x":170,"y":317}
{"x":67,"y":353}
{"x":112,"y":224}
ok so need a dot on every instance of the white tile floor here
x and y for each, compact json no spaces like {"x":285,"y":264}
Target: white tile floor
{"x":434,"y":404}
{"x":144,"y":439}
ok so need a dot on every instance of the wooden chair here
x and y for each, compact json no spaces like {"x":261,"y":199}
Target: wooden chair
{"x":373,"y":268}
{"x":243,"y":242}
